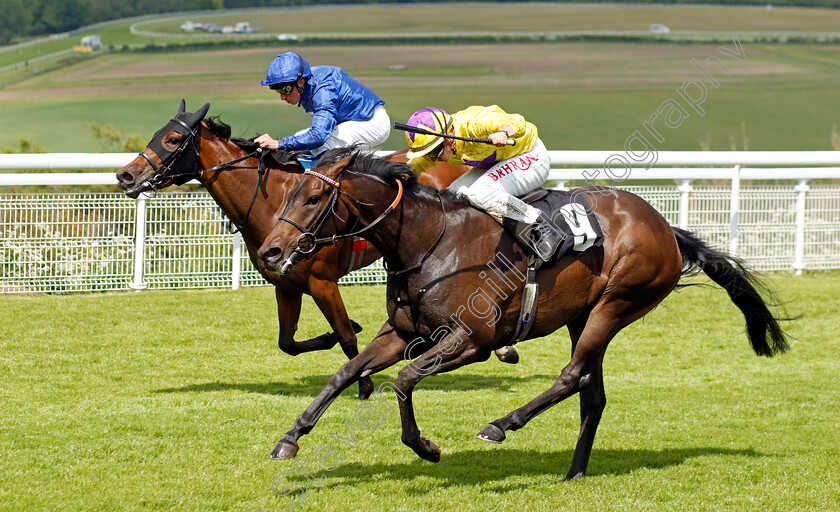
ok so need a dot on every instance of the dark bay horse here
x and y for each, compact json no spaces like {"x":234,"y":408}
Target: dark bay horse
{"x":191,"y":146}
{"x":455,"y":291}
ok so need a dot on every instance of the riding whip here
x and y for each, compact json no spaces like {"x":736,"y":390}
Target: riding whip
{"x":415,"y":129}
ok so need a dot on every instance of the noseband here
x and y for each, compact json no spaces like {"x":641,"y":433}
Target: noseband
{"x":308,"y":242}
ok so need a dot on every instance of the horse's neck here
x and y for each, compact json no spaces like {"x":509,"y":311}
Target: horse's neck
{"x":405,"y":234}
{"x":233,"y":188}
{"x":227,"y":186}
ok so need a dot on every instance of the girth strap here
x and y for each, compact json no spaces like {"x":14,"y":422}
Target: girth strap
{"x":529,"y":306}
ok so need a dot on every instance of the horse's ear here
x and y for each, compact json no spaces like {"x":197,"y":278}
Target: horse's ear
{"x":334,"y":169}
{"x":183,"y":107}
{"x":200,"y":113}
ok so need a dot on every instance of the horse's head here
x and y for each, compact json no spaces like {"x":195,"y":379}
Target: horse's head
{"x":315,"y":215}
{"x":172,"y":156}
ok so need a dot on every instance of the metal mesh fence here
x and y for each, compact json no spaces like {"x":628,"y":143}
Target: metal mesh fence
{"x":86,"y":242}
{"x":187,"y":243}
{"x":65,"y":242}
{"x":822,"y":227}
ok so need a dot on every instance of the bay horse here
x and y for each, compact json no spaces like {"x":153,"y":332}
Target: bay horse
{"x":190,"y":146}
{"x":454,"y":293}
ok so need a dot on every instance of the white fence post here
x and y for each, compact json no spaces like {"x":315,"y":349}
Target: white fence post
{"x":735,"y":198}
{"x":684,"y":188}
{"x":236,"y":264}
{"x":799,"y":240}
{"x":139,"y":243}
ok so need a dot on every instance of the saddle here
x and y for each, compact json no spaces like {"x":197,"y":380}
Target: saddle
{"x":581,"y":231}
{"x":575,"y":219}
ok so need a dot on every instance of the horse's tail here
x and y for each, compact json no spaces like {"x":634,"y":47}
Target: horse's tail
{"x":741,"y":285}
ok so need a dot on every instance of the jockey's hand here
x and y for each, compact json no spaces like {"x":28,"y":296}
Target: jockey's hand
{"x":499,"y":138}
{"x":265,"y":141}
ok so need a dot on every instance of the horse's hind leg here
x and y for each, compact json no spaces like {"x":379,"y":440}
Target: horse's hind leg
{"x":593,"y":400}
{"x":582,"y":373}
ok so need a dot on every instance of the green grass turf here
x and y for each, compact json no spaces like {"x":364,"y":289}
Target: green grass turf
{"x":581,"y":96}
{"x":172,"y":401}
{"x":459,"y":18}
{"x":495,"y":17}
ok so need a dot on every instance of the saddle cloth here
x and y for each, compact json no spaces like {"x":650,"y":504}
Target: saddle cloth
{"x":580,"y":229}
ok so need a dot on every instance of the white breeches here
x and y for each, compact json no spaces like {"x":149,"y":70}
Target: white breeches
{"x":367,"y":135}
{"x":494,"y":190}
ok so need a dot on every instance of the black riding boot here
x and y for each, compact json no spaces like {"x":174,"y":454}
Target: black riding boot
{"x":540,"y":239}
{"x":546,"y":238}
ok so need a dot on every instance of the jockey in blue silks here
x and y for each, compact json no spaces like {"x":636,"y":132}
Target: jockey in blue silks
{"x":344,"y":112}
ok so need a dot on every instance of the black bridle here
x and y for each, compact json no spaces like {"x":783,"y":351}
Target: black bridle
{"x":189,"y":139}
{"x":308,"y":242}
{"x":192,"y":160}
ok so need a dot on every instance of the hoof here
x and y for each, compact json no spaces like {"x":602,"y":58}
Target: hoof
{"x":424,"y":448}
{"x":492,"y":433}
{"x":431,"y":452}
{"x":284,"y":450}
{"x":365,"y":388}
{"x":576,"y":476}
{"x":508,"y":355}
{"x":356,"y":327}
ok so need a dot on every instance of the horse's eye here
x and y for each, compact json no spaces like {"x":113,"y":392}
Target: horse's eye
{"x":313,"y":200}
{"x":172,"y":140}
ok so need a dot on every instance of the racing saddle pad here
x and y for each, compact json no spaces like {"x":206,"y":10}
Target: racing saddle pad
{"x":575,"y":219}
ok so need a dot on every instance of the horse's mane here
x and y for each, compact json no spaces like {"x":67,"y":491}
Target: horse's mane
{"x":223,"y":131}
{"x":387,"y":171}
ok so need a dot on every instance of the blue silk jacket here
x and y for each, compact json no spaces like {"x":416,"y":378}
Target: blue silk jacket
{"x":332,"y":97}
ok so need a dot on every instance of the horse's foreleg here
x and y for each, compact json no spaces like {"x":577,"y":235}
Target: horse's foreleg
{"x":288,"y":314}
{"x":328,"y":299}
{"x":385,"y":350}
{"x":449,"y":354}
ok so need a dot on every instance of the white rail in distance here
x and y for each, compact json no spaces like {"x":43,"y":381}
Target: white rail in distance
{"x":810,"y":212}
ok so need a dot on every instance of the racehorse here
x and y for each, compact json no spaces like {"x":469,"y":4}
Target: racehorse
{"x":454,"y":292}
{"x":251,"y":188}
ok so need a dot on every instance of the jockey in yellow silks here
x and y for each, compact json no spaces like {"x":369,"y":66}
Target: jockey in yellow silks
{"x":500,"y":171}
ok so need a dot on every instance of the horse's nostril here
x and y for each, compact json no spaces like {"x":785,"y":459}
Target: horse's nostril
{"x":125,"y":177}
{"x":273,"y":254}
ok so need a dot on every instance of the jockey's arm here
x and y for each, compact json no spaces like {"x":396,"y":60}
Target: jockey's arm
{"x":501,"y":136}
{"x":494,"y":123}
{"x":323,"y":123}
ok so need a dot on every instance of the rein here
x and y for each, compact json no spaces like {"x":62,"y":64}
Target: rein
{"x":307,"y":242}
{"x":260,"y":175}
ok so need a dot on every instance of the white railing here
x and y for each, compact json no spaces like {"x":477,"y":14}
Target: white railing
{"x":105,"y":241}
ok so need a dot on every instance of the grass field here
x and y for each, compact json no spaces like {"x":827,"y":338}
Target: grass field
{"x":454,"y":18}
{"x":496,"y":17}
{"x":580,"y":95}
{"x":172,"y":401}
